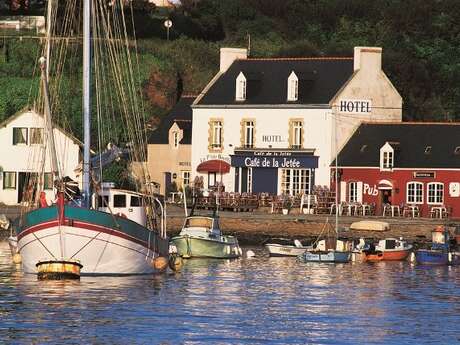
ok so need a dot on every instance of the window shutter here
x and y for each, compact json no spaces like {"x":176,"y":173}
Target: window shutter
{"x":343,"y":191}
{"x":360,"y":192}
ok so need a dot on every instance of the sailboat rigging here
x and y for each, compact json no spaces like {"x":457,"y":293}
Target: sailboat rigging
{"x":109,"y":230}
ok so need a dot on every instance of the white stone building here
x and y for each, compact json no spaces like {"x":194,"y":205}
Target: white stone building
{"x":23,"y":158}
{"x":274,"y":125}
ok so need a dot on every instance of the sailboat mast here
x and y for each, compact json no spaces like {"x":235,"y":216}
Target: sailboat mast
{"x":86,"y":101}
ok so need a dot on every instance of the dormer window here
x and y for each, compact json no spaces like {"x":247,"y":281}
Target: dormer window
{"x":386,"y":157}
{"x":240,"y":87}
{"x":293,"y":87}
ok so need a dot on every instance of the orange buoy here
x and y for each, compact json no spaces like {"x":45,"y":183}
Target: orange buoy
{"x":160,"y":263}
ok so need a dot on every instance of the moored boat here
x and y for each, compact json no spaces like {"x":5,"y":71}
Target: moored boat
{"x":284,"y":247}
{"x":389,"y":249}
{"x":329,"y":250}
{"x":201,"y":237}
{"x":440,"y":252}
{"x":124,"y":232}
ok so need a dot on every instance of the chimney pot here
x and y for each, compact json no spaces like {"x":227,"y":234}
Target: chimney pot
{"x":368,"y":59}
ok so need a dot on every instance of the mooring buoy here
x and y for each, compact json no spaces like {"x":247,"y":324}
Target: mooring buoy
{"x":59,"y":269}
{"x":175,"y":262}
{"x":160,"y":263}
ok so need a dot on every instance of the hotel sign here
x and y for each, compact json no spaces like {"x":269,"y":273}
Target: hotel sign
{"x":354,"y":106}
{"x":274,"y":160}
{"x":424,"y":174}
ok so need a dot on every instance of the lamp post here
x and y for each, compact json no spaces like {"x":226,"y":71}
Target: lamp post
{"x":167,"y":24}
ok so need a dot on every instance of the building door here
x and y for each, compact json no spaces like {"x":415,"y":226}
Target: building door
{"x":265,"y":180}
{"x":27,"y":186}
{"x":384,"y":198}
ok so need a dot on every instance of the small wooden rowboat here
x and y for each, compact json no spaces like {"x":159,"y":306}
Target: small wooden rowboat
{"x":389,"y":249}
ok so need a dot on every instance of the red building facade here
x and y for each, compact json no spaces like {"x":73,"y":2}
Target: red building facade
{"x":403,"y":165}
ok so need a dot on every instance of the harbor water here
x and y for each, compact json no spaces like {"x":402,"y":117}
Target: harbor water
{"x":258,"y":300}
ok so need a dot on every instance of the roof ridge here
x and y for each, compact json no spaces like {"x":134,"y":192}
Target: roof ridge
{"x":298,"y":58}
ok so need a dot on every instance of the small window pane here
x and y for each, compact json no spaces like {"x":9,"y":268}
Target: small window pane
{"x":48,"y":181}
{"x":36,"y":136}
{"x":119,"y":200}
{"x":9,"y":180}
{"x":135,"y":201}
{"x":102,"y":201}
{"x":19,"y":136}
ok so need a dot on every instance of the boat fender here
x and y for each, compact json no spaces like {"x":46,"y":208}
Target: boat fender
{"x":122,"y":215}
{"x":160,"y":263}
{"x":250,"y":254}
{"x":449,"y":257}
{"x":17,"y":258}
{"x":412,"y":257}
{"x":175,"y":262}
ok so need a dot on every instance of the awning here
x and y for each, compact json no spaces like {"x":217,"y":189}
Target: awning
{"x":385,"y":184}
{"x":214,"y":165}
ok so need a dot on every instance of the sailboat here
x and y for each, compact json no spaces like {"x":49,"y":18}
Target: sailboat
{"x":103,"y":230}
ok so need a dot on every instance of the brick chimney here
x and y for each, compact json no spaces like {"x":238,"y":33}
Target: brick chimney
{"x":368,"y":59}
{"x":228,"y":55}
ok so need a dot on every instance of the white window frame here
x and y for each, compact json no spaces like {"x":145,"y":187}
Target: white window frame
{"x":185,"y":178}
{"x":352,"y":191}
{"x":241,"y":86}
{"x":249,"y":180}
{"x":212,"y":176}
{"x":435,"y":191}
{"x":296,"y":181}
{"x":293,"y":87}
{"x":249,"y":134}
{"x":386,"y":157}
{"x":217,"y":134}
{"x":297,"y":127}
{"x":412,"y":194}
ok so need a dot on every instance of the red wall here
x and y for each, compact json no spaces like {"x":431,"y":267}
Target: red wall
{"x":399,"y":178}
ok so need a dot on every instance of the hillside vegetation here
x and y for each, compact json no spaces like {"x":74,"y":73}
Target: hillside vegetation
{"x":420,"y":41}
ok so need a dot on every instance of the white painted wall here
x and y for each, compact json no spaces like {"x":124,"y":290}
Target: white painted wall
{"x":29,"y":158}
{"x":268,"y":121}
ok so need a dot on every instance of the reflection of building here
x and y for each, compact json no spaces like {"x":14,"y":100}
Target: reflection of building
{"x":169,"y":147}
{"x":272,"y":121}
{"x":23,"y":157}
{"x":402,"y":163}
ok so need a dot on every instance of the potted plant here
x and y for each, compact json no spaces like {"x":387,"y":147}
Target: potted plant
{"x":287,"y":204}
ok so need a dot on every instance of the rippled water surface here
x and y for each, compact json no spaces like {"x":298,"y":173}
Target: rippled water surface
{"x":248,"y":301}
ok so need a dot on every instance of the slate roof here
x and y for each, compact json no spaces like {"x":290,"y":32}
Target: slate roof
{"x":409,"y":140}
{"x":319,"y":81}
{"x":181,"y":113}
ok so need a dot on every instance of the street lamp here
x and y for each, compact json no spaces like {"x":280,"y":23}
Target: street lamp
{"x":167,"y":24}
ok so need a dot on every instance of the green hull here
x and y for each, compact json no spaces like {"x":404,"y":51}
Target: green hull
{"x":192,"y":247}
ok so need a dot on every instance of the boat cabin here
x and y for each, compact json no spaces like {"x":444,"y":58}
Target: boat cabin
{"x":124,"y":203}
{"x":201,"y":224}
{"x":390,"y":244}
{"x":440,"y":238}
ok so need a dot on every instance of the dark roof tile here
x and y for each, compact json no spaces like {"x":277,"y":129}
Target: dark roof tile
{"x":181,"y":113}
{"x":410,"y":141}
{"x":319,"y":81}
